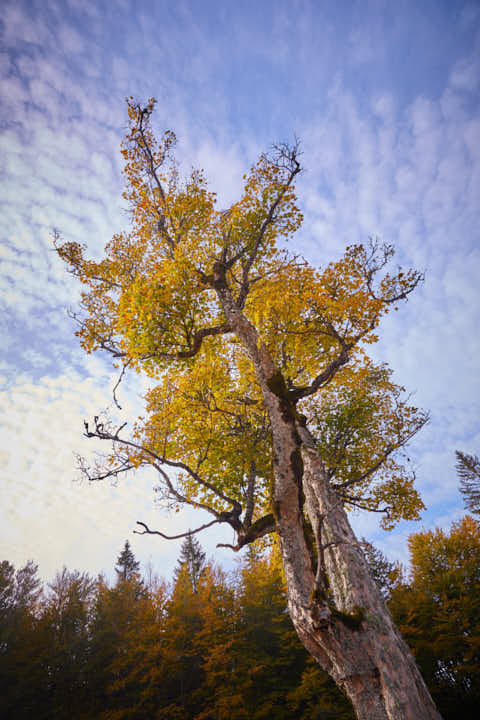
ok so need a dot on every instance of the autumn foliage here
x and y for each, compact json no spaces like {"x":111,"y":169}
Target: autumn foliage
{"x":209,"y":645}
{"x":151,"y":303}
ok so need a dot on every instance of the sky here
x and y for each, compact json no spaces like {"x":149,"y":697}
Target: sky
{"x":385,"y":100}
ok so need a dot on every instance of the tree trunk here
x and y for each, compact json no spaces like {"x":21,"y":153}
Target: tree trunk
{"x":339,"y":613}
{"x":335,"y":605}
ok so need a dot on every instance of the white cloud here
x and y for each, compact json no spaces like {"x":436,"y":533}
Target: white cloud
{"x":375,"y":164}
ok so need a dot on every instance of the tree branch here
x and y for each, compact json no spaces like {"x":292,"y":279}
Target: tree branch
{"x":198,"y":338}
{"x":324,"y":377}
{"x":287,"y":157}
{"x":103,"y":433}
{"x":264,"y":526}
{"x":124,"y":368}
{"x":147,"y":531}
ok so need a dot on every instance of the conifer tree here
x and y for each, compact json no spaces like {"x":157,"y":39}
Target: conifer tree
{"x":468,"y":470}
{"x":191,"y":561}
{"x":127,"y":566}
{"x":385,"y":573}
{"x":22,"y":643}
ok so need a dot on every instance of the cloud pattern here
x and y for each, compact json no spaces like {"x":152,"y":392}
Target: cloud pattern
{"x":386,"y":104}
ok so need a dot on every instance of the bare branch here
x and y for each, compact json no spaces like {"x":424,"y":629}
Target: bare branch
{"x":103,"y":432}
{"x":147,"y":531}
{"x":98,"y":472}
{"x":287,"y":158}
{"x":144,"y":115}
{"x":124,"y":368}
{"x":376,"y":260}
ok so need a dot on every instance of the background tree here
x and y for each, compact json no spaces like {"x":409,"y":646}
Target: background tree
{"x":265,"y":405}
{"x":22,"y":643}
{"x":116,"y":615}
{"x":127,"y":566}
{"x":386,"y":574}
{"x":468,"y":469}
{"x":191,"y":560}
{"x":65,"y":625}
{"x":438,"y":612}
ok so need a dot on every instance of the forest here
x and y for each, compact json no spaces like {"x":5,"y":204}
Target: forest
{"x":211,"y":645}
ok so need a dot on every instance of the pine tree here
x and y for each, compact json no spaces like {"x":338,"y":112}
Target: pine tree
{"x":127,"y":567}
{"x":22,"y":673}
{"x":468,"y":470}
{"x":191,"y":561}
{"x":385,"y":573}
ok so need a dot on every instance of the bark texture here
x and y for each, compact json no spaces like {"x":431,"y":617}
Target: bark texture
{"x":335,"y":605}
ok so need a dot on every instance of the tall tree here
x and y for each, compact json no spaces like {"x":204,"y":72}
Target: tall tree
{"x":127,"y":566}
{"x":191,"y":560}
{"x":65,"y":621}
{"x":266,"y":408}
{"x":468,"y":470}
{"x":438,"y":612}
{"x":22,"y":643}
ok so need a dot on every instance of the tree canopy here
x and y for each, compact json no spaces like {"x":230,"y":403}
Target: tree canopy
{"x":438,"y":612}
{"x":153,"y":303}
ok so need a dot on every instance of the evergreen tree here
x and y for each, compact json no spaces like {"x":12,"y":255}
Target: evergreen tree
{"x":126,"y":567}
{"x":65,"y":622}
{"x":385,"y":573}
{"x":191,"y":561}
{"x":468,"y":470}
{"x":22,"y":676}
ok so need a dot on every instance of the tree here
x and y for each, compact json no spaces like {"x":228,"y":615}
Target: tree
{"x":386,"y":574}
{"x":65,"y":621}
{"x":182,"y":653}
{"x":22,"y":644}
{"x":468,"y":470}
{"x":438,"y":612}
{"x":126,"y":567}
{"x":266,"y":412}
{"x":192,"y":560}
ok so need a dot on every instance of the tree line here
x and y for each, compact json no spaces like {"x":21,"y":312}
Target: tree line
{"x":216,"y":646}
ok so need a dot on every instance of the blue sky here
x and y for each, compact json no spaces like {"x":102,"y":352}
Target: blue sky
{"x":385,"y":99}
